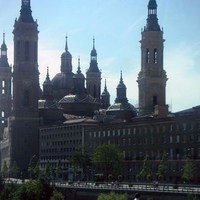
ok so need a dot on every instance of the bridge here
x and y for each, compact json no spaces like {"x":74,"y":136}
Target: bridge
{"x":90,"y":191}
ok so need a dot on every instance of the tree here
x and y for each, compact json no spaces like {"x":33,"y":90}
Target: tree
{"x":57,"y":196}
{"x":146,"y":169}
{"x":59,"y":169}
{"x":112,"y":196}
{"x":109,"y":158}
{"x":47,"y":172}
{"x":5,"y":169}
{"x":162,"y":168}
{"x":37,"y":170}
{"x":14,"y":170}
{"x":81,"y":159}
{"x":189,"y":168}
{"x":31,"y":167}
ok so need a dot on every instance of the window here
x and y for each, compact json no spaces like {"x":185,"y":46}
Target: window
{"x":147,"y":56}
{"x":184,"y":126}
{"x":26,"y":100}
{"x":177,"y":139}
{"x":170,"y":139}
{"x":27,"y":51}
{"x":155,"y":56}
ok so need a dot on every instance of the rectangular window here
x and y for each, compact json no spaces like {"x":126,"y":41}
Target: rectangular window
{"x":113,"y":132}
{"x":108,"y":133}
{"x":118,"y":131}
{"x":184,"y":126}
{"x":177,"y":139}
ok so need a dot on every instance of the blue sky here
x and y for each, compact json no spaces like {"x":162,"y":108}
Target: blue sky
{"x":116,"y":26}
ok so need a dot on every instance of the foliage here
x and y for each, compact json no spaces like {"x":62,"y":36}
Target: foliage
{"x":146,"y":169}
{"x":31,"y":168}
{"x":37,"y":170}
{"x":59,"y":169}
{"x":5,"y":169}
{"x":162,"y":168}
{"x":188,"y":168}
{"x":81,"y":159}
{"x":57,"y":196}
{"x":47,"y":172}
{"x":112,"y":196}
{"x":34,"y":190}
{"x":109,"y":158}
{"x":7,"y":191}
{"x":192,"y":197}
{"x":14,"y":170}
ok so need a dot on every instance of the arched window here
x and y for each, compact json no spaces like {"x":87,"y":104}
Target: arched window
{"x":147,"y":56}
{"x":155,"y":55}
{"x":95,"y":91}
{"x":155,"y":101}
{"x":26,"y":99}
{"x":27,"y":52}
{"x":17,"y":50}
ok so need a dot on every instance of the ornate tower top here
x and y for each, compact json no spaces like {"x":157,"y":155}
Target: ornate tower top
{"x":25,"y":12}
{"x":121,"y":91}
{"x":152,"y":20}
{"x":3,"y":58}
{"x":93,"y":61}
{"x":66,"y":60}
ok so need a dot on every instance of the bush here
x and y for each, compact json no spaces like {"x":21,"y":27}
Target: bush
{"x":57,"y":196}
{"x":112,"y":196}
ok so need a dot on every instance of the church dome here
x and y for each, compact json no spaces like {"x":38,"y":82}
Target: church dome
{"x":78,"y":98}
{"x":122,"y":111}
{"x":62,"y":80}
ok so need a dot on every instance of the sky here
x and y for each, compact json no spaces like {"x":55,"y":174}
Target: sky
{"x":116,"y":26}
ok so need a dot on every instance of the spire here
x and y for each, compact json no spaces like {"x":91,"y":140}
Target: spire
{"x":66,"y":46}
{"x":47,"y":80}
{"x":25,"y":12}
{"x":3,"y":58}
{"x":121,"y":91}
{"x":152,"y":20}
{"x":105,"y":92}
{"x":121,"y":82}
{"x":78,"y":74}
{"x":93,"y":60}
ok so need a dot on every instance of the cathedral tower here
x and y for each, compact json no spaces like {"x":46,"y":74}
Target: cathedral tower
{"x":152,"y":77}
{"x":25,"y":119}
{"x":93,"y":75}
{"x":5,"y":88}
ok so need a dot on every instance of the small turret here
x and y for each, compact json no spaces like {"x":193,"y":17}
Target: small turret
{"x":152,"y":20}
{"x":4,"y":58}
{"x":25,"y":12}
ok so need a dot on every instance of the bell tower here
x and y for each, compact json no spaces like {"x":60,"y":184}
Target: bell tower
{"x":94,"y":75}
{"x":5,"y":88}
{"x":24,"y":121}
{"x":152,"y":77}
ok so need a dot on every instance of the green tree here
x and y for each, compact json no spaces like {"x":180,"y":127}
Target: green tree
{"x":112,"y":196}
{"x":5,"y":170}
{"x":162,"y":168}
{"x":81,"y":159}
{"x":47,"y":172}
{"x":109,"y":158}
{"x":34,"y":190}
{"x":146,"y":169}
{"x":188,"y":168}
{"x":57,"y":196}
{"x":14,"y":170}
{"x":192,"y":197}
{"x":59,"y":169}
{"x":37,"y":170}
{"x":31,"y":167}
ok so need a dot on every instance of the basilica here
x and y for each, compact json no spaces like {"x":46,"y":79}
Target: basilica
{"x":69,"y":111}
